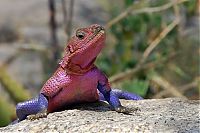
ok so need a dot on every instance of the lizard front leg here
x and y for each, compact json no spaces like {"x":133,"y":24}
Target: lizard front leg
{"x":33,"y":106}
{"x":37,"y":107}
{"x":112,"y":99}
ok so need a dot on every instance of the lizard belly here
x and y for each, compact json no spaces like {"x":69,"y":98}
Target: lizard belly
{"x":81,"y":89}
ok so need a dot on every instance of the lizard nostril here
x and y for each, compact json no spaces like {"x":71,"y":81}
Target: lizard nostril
{"x":99,"y":28}
{"x":96,"y":28}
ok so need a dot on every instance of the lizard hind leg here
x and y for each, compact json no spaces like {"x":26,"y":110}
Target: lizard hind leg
{"x":101,"y":97}
{"x":126,"y":95}
{"x":32,"y":107}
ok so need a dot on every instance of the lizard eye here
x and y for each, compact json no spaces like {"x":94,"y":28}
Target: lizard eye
{"x":80,"y":34}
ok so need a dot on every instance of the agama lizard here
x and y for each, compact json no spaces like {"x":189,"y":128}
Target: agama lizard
{"x":76,"y":79}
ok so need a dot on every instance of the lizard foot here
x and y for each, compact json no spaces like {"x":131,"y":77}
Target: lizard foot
{"x":124,"y":110}
{"x":42,"y":114}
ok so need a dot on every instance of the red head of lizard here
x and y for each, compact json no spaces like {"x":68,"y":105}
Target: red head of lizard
{"x":82,"y":49}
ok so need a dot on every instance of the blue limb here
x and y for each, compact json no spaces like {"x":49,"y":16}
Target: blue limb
{"x":126,"y":95}
{"x":101,"y":97}
{"x":122,"y":95}
{"x":109,"y":96}
{"x":112,"y":99}
{"x":32,"y":106}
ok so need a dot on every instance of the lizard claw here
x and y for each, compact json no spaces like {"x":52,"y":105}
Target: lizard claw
{"x":42,"y":114}
{"x":124,"y":110}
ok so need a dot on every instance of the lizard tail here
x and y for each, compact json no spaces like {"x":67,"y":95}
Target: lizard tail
{"x":122,"y":95}
{"x":126,"y":95}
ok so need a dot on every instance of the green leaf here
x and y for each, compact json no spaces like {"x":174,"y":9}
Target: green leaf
{"x":128,"y":2}
{"x":139,"y":87}
{"x":178,"y":71}
{"x":7,"y":111}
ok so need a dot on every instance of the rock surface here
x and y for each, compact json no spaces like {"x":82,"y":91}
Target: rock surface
{"x":156,"y":115}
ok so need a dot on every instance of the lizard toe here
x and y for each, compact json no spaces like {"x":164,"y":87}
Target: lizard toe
{"x":37,"y":116}
{"x":125,"y":110}
{"x":122,"y":109}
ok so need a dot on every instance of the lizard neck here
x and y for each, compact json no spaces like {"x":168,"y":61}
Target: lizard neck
{"x":77,"y":70}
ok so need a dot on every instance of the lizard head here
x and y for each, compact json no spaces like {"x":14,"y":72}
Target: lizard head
{"x":83,"y":48}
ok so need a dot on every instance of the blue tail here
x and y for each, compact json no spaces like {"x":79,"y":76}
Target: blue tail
{"x":122,"y":95}
{"x":126,"y":95}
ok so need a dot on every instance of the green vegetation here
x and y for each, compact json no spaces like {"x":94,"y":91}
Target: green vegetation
{"x":16,"y":91}
{"x":7,"y":111}
{"x":133,"y":35}
{"x":17,"y":94}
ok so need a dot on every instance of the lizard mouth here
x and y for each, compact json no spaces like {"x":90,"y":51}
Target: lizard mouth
{"x":97,"y":33}
{"x":96,"y":38}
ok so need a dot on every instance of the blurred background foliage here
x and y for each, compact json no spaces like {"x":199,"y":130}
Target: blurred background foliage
{"x":152,"y":49}
{"x":176,"y":55}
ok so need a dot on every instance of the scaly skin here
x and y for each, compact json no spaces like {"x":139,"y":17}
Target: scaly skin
{"x":77,"y":79}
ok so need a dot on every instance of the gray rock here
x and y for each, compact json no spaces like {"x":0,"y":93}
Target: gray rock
{"x":157,"y":115}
